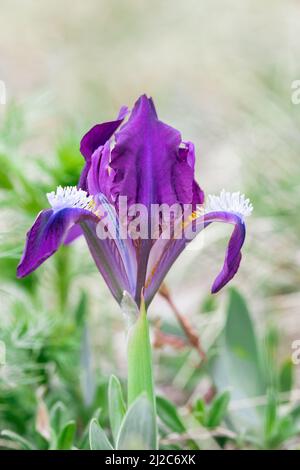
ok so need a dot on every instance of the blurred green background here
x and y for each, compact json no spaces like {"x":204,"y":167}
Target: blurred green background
{"x":221,"y":72}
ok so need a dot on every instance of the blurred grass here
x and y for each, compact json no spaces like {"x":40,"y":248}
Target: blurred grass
{"x":219,"y":71}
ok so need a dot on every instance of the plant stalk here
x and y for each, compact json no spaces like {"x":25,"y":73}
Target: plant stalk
{"x":140,"y":372}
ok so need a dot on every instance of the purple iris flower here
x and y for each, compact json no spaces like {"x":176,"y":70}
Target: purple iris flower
{"x":138,"y":157}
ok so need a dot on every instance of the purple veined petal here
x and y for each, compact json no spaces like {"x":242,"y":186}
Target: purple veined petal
{"x":47,"y":234}
{"x":143,"y":253}
{"x":125,"y":246}
{"x":198,"y":194}
{"x":50,"y":230}
{"x":233,"y":254}
{"x":149,"y":167}
{"x":97,"y":136}
{"x":100,"y":134}
{"x":73,"y":233}
{"x":100,"y":175}
{"x":92,"y":178}
{"x":108,"y":260}
{"x":165,"y":252}
{"x":187,"y":154}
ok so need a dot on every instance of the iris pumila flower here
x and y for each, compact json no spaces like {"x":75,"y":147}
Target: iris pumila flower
{"x":139,"y":157}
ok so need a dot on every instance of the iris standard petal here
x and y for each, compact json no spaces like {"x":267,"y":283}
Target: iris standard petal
{"x":96,"y":137}
{"x":47,"y":234}
{"x":100,"y":175}
{"x":187,"y":154}
{"x":100,"y":133}
{"x":149,"y":167}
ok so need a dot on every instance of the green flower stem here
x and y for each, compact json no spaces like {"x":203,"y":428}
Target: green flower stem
{"x":140,"y":374}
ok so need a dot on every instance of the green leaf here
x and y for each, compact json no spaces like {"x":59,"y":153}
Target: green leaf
{"x":169,"y":416}
{"x":17,"y":438}
{"x":286,"y":376}
{"x":98,"y":438}
{"x":138,"y":429}
{"x":270,"y":415}
{"x":294,"y":416}
{"x":286,"y":429}
{"x":238,"y":365}
{"x":66,"y":437}
{"x":278,"y":429}
{"x":83,"y":442}
{"x":117,"y":408}
{"x":239,"y":332}
{"x":217,"y":410}
{"x":272,"y":339}
{"x":57,"y":414}
{"x":81,"y":309}
{"x":5,"y":173}
{"x":200,"y":411}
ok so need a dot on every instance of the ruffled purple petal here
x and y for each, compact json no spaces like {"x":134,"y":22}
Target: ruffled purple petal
{"x":149,"y":166}
{"x":46,"y":235}
{"x":187,"y":154}
{"x":96,"y":137}
{"x":165,"y":252}
{"x":100,"y":134}
{"x":100,"y":175}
